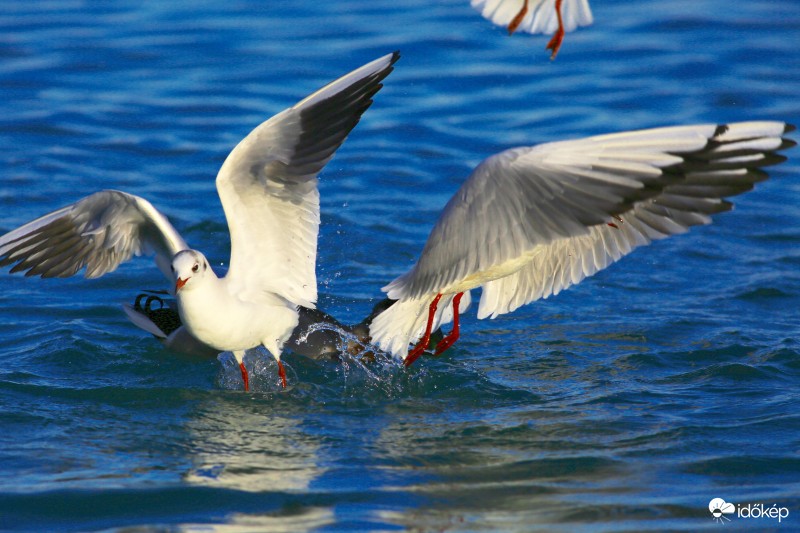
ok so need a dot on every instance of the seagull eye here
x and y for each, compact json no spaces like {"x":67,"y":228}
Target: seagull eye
{"x":195,"y":267}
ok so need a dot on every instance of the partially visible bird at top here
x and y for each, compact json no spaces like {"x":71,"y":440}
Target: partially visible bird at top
{"x":537,"y":16}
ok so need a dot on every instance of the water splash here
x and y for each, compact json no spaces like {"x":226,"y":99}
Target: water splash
{"x":346,"y":367}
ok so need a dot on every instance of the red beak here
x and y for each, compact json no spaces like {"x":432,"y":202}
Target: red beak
{"x":180,"y":283}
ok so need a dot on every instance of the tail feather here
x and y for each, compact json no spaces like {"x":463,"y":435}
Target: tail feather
{"x":404,"y":322}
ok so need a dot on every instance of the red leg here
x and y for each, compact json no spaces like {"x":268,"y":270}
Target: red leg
{"x":245,"y":377}
{"x":558,"y":36}
{"x":452,"y":337}
{"x":517,"y":20}
{"x":282,"y":374}
{"x":422,"y":345}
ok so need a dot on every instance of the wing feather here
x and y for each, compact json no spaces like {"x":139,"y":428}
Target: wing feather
{"x":268,"y":186}
{"x":680,"y":206}
{"x":97,"y":233}
{"x":559,"y":190}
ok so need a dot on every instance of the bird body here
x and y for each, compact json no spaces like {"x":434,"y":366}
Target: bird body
{"x":233,"y":324}
{"x":236,"y":321}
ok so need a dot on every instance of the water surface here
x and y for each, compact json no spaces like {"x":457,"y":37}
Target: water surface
{"x":625,"y":403}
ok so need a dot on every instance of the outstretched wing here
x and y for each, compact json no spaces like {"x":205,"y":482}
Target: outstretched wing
{"x":268,"y":186}
{"x":97,"y":233}
{"x":541,"y":16}
{"x":729,"y":165}
{"x":530,"y":222}
{"x":526,"y":198}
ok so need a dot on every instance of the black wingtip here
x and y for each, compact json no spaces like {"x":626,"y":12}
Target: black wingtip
{"x":785,"y":142}
{"x":392,"y":61}
{"x":721,"y":130}
{"x":390,"y":67}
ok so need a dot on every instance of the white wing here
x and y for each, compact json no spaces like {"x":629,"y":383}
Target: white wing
{"x":98,"y":233}
{"x":268,"y":186}
{"x":527,"y":197}
{"x":541,"y":16}
{"x":728,"y":166}
{"x":544,"y":212}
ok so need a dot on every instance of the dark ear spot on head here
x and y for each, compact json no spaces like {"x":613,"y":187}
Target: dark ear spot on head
{"x":205,"y":265}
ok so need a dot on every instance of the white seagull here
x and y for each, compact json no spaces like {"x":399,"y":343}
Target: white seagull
{"x":532,"y":221}
{"x":268,"y":189}
{"x":537,"y":16}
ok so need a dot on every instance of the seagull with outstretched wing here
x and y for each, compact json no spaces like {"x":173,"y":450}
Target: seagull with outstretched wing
{"x":268,"y":189}
{"x":532,"y":221}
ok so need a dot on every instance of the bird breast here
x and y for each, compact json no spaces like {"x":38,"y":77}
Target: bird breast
{"x":228,"y":323}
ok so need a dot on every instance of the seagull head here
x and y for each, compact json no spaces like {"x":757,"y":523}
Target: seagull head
{"x":188,"y":266}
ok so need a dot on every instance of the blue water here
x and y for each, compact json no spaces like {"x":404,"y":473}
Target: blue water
{"x":625,"y":403}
